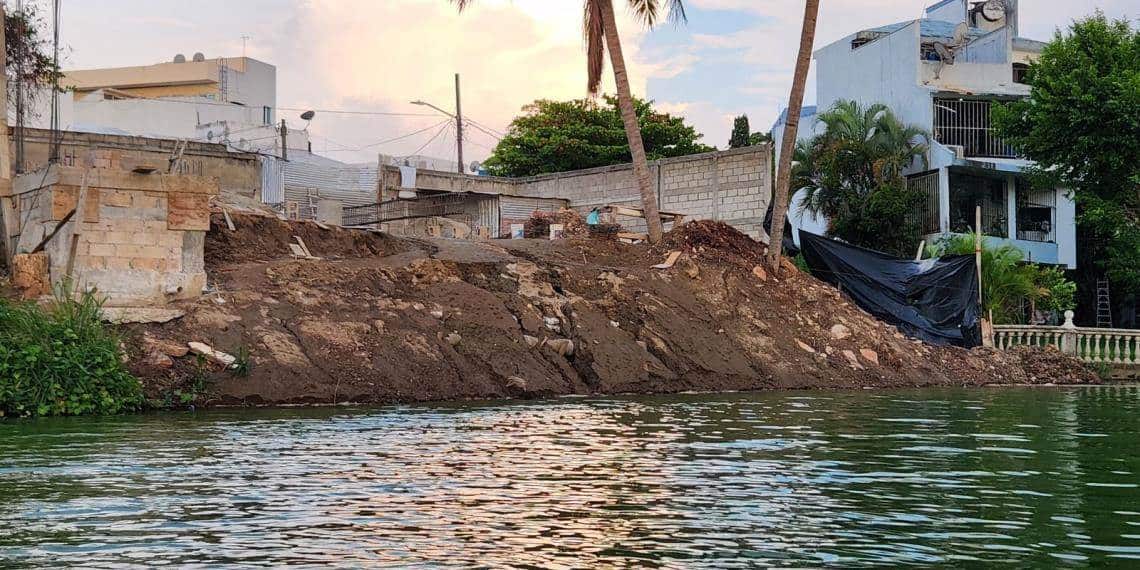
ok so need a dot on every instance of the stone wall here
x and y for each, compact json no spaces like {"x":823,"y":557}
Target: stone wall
{"x":238,"y":173}
{"x":139,"y":238}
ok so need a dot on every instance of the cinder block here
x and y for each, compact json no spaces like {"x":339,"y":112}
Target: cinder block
{"x":101,"y":249}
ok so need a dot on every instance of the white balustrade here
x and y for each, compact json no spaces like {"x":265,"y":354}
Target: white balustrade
{"x":1110,"y":346}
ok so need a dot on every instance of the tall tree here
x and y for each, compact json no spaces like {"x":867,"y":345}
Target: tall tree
{"x":1081,"y":125}
{"x":741,"y":131}
{"x":558,"y":136}
{"x":601,"y":36}
{"x":791,"y":130}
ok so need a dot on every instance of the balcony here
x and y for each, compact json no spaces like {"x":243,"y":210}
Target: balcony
{"x":965,"y":123}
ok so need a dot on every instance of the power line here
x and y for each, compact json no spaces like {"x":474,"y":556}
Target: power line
{"x":446,"y":125}
{"x":391,"y":140}
{"x":325,"y":111}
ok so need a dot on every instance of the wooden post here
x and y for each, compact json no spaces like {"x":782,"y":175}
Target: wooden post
{"x":987,"y":324}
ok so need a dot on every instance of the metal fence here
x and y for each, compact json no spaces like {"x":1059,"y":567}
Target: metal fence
{"x":966,"y":123}
{"x":927,"y":212}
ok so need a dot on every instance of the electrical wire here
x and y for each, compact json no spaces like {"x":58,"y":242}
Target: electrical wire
{"x":447,"y":124}
{"x":391,"y":140}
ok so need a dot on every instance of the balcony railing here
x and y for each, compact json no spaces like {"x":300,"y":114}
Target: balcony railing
{"x":1093,"y":345}
{"x":966,"y":123}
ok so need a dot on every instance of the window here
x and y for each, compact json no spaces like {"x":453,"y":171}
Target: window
{"x":967,"y":192}
{"x":966,"y":123}
{"x":926,"y":211}
{"x":1020,"y":71}
{"x":267,"y":115}
{"x":1036,"y":213}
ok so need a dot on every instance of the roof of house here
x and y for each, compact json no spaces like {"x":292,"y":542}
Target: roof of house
{"x":929,"y":28}
{"x":806,"y":111}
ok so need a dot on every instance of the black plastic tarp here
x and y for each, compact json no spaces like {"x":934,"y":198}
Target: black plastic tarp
{"x":934,"y":300}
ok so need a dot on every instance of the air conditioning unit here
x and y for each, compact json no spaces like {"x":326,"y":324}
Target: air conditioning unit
{"x":958,"y":150}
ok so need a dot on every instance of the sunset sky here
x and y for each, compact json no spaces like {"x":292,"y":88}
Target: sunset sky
{"x":734,"y":56}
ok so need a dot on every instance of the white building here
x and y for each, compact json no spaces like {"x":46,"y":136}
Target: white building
{"x":943,"y":73}
{"x":229,"y":100}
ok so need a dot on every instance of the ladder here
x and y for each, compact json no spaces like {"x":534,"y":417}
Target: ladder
{"x":1103,"y":305}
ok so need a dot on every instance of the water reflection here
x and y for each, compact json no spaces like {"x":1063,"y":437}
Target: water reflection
{"x":1024,"y":477}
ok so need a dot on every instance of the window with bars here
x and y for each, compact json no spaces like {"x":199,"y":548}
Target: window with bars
{"x":967,"y":192}
{"x":1036,"y":213}
{"x":927,"y":211}
{"x":966,"y":123}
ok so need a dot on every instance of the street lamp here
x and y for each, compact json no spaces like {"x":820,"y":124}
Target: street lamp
{"x":458,"y":117}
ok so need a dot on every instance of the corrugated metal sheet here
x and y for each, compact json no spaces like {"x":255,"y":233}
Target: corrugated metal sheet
{"x":517,"y":209}
{"x":272,"y":180}
{"x":309,"y":178}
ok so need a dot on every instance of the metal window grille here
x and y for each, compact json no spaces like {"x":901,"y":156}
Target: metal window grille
{"x":927,"y":211}
{"x":966,"y":123}
{"x":967,"y":193}
{"x":1036,"y":213}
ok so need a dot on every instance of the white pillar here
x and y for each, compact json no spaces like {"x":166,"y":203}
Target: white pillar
{"x":944,"y":200}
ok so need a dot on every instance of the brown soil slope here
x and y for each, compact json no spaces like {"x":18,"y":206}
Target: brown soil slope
{"x":381,"y":319}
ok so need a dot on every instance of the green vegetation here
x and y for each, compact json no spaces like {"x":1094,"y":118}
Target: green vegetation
{"x":743,"y":136}
{"x":853,"y":175}
{"x":559,"y":136}
{"x":28,"y":47}
{"x":60,"y":359}
{"x":1081,"y":124}
{"x":1008,"y":284}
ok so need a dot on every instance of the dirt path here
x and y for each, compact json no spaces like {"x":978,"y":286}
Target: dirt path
{"x":380,"y":319}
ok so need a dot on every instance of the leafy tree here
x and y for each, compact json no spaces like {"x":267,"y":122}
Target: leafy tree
{"x":558,"y":136}
{"x":852,"y":174}
{"x":743,"y":136}
{"x":599,"y":29}
{"x":29,"y":51}
{"x":1081,"y":124}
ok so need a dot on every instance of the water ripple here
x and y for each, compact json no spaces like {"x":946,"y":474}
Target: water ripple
{"x":941,"y":477}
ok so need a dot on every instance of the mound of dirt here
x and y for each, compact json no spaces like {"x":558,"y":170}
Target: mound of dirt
{"x":1048,"y":364}
{"x":538,"y":225}
{"x":396,"y":320}
{"x":714,"y":240}
{"x":265,"y":238}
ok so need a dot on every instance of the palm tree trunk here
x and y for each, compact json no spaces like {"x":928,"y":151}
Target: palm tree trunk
{"x":629,"y":117}
{"x":791,"y":130}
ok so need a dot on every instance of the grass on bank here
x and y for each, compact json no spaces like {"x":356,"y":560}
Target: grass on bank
{"x":61,"y":359}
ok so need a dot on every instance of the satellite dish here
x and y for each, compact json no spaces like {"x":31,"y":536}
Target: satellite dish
{"x":179,"y":58}
{"x":476,"y":165}
{"x":993,"y":10}
{"x":960,"y":32}
{"x":199,"y":56}
{"x":945,"y":53}
{"x":308,"y":115}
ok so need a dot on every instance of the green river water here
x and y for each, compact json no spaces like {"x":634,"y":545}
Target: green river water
{"x":956,"y":478}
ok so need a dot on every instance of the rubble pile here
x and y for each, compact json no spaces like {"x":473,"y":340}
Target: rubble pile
{"x":538,"y":226}
{"x":716,"y":241}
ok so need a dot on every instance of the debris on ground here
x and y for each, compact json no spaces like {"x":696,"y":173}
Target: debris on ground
{"x":538,"y":225}
{"x":382,"y":319}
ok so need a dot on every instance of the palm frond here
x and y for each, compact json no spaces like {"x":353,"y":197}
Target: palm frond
{"x":593,"y":34}
{"x":462,"y":5}
{"x":649,"y":11}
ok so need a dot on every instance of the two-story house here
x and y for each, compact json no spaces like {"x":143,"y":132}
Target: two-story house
{"x":944,"y":73}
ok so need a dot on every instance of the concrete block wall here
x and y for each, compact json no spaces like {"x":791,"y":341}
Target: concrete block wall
{"x":141,"y":240}
{"x":238,"y":174}
{"x":733,"y":186}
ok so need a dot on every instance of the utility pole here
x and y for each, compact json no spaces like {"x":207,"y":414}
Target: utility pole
{"x":458,"y":126}
{"x":284,"y":145}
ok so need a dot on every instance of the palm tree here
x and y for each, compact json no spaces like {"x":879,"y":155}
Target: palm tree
{"x":860,"y":150}
{"x":791,"y":130}
{"x":601,"y":35}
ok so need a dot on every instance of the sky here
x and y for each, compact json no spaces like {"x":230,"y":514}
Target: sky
{"x":732,"y":57}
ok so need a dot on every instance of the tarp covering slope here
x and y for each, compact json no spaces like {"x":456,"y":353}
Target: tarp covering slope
{"x":934,"y":300}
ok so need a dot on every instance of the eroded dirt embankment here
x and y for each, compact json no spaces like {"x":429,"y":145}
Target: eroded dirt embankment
{"x":382,"y":319}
